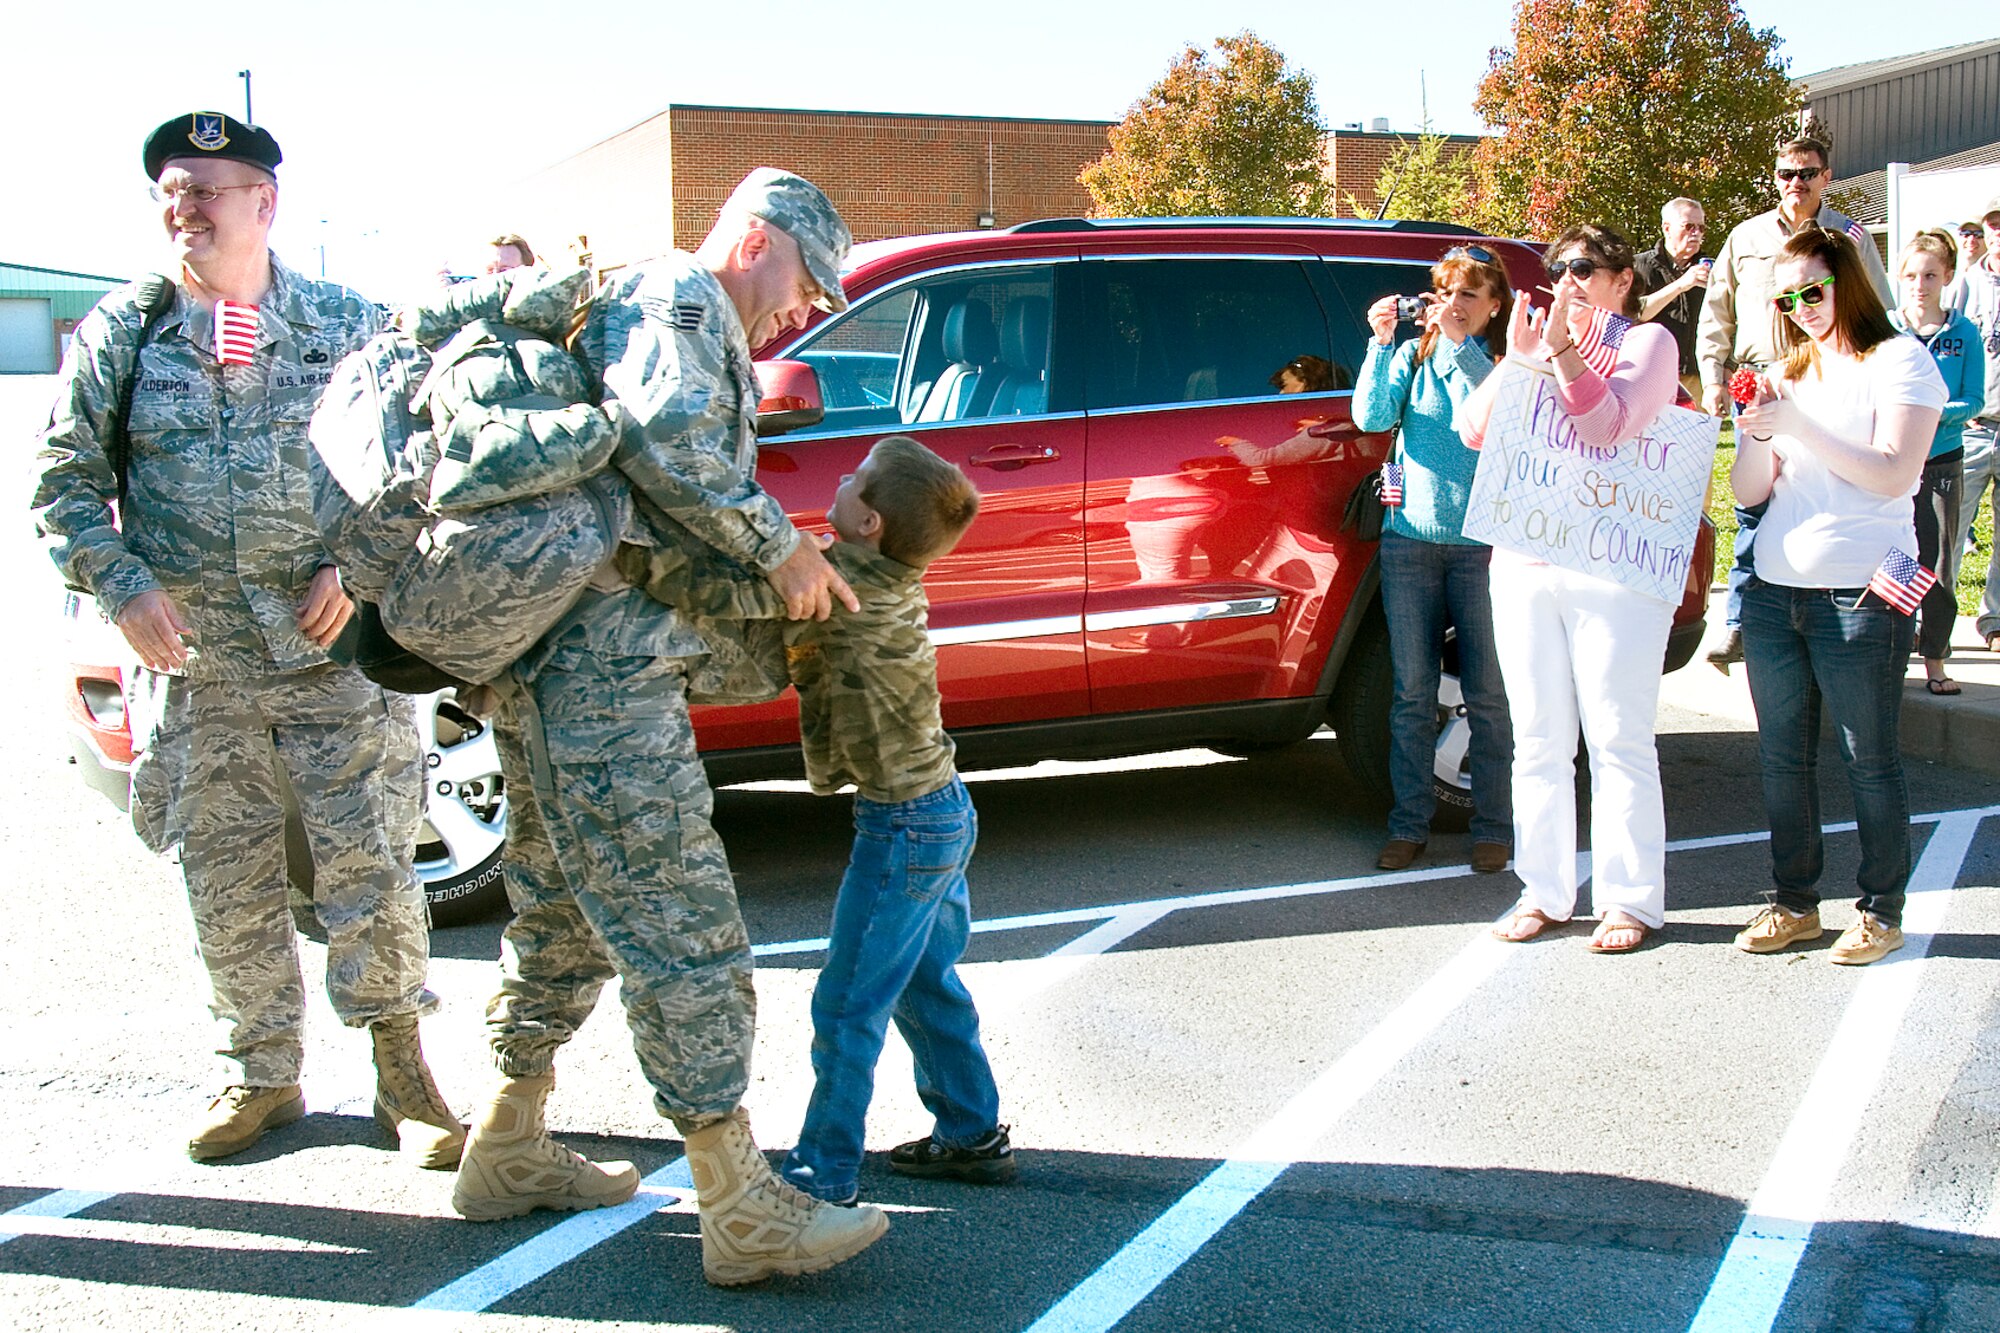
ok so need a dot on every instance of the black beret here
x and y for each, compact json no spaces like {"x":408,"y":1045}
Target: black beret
{"x":210,"y":134}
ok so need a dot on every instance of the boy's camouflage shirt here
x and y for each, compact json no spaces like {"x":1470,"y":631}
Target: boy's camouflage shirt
{"x":867,"y":682}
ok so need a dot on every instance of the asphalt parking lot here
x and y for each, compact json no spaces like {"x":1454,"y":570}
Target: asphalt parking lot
{"x":1255,"y":1084}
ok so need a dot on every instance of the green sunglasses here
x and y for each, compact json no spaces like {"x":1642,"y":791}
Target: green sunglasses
{"x":1811,"y":294}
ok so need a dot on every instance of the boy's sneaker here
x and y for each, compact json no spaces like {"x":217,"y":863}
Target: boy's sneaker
{"x":986,"y":1162}
{"x":1865,"y":941}
{"x":1775,"y":928}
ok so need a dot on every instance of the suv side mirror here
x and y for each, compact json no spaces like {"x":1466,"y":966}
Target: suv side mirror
{"x":792,"y":399}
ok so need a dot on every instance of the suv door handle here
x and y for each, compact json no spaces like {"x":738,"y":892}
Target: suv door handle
{"x":1007,"y":457}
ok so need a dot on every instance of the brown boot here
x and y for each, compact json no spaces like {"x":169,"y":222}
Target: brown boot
{"x":512,"y":1166}
{"x":407,"y":1102}
{"x":240,"y":1116}
{"x":753,"y":1224}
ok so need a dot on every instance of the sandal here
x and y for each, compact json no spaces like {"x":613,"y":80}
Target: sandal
{"x":1618,"y":925}
{"x":1942,"y":685}
{"x":1509,"y":931}
{"x":1993,"y":642}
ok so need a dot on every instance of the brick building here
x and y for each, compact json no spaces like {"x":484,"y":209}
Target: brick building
{"x":658,"y":184}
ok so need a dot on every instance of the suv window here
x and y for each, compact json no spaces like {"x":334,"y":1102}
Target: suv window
{"x":1197,"y":330}
{"x":960,"y":347}
{"x":1361,"y":285}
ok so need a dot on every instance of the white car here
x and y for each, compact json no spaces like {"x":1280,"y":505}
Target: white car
{"x":465,"y":798}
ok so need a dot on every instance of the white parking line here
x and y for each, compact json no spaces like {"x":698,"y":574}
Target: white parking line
{"x":549,"y":1250}
{"x":533,"y":1259}
{"x":62,"y":1203}
{"x":1749,"y":1288}
{"x":1151,"y":1257}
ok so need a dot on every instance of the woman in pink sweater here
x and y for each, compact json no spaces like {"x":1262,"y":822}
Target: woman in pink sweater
{"x":1577,"y":649}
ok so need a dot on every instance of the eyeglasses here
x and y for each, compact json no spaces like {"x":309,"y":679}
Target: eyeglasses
{"x":1581,"y":267}
{"x":1474,"y":252}
{"x":1806,"y":174}
{"x":201,"y":194}
{"x":1811,"y":294}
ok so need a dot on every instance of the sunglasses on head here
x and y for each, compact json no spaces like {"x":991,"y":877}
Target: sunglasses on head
{"x":1806,"y":174}
{"x":1475,"y":252}
{"x":1811,"y":294}
{"x":1580,"y":266}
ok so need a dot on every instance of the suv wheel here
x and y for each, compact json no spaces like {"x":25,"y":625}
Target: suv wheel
{"x":1359,"y":712}
{"x":465,"y":814}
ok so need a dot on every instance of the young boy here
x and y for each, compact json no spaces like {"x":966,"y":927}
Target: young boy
{"x":868,"y":714}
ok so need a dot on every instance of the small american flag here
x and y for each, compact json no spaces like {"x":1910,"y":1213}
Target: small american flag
{"x":1392,"y":485}
{"x":235,"y":333}
{"x":1901,"y":581}
{"x":1599,"y":344}
{"x":1858,"y":234}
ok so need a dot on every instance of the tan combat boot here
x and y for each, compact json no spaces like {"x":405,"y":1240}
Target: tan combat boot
{"x":512,"y":1166}
{"x":753,"y":1224}
{"x":407,"y":1101}
{"x":239,"y":1117}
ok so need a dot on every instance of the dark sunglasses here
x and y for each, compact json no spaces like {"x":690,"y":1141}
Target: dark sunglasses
{"x":1579,"y":266}
{"x":1806,"y":174}
{"x":1476,"y":252}
{"x":1810,"y":294}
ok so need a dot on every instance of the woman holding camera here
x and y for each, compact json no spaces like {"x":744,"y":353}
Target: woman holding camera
{"x":1433,"y":576}
{"x":1580,"y":650}
{"x":1836,"y":442}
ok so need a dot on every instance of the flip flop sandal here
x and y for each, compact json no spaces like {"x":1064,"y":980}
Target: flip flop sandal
{"x":1504,"y":932}
{"x":1605,"y":928}
{"x":1942,"y":685}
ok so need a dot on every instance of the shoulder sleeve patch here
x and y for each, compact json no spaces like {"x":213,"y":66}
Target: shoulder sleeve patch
{"x":687,"y":316}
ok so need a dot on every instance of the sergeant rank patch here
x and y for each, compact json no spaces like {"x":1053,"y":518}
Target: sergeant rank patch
{"x":687,"y":316}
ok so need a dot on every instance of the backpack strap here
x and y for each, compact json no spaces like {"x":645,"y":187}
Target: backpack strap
{"x":154,"y":298}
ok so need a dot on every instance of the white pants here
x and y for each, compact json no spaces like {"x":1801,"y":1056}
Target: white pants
{"x":1575,"y":648}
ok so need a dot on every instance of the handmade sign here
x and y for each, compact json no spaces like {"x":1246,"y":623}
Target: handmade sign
{"x":1627,"y":514}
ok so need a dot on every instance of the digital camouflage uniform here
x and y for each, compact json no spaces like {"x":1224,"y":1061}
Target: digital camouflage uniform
{"x":219,"y":515}
{"x":612,"y":862}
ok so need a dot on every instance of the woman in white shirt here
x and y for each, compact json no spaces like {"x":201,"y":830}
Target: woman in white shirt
{"x":1835,"y":442}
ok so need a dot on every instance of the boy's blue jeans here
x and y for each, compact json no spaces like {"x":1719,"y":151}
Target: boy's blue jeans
{"x":899,"y":925}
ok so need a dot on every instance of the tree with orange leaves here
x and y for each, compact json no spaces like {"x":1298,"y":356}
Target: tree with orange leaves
{"x":1606,"y":109}
{"x":1240,"y":135}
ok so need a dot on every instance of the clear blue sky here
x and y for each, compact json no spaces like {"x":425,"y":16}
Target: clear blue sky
{"x":393,"y":115}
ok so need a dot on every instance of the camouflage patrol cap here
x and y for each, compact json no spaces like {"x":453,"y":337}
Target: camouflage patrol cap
{"x":210,"y":134}
{"x":795,"y":206}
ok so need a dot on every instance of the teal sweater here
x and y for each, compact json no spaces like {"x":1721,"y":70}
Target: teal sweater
{"x":1961,"y":359}
{"x":1395,"y":392}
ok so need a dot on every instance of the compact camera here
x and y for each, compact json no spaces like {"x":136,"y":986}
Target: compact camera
{"x":1410,"y":309}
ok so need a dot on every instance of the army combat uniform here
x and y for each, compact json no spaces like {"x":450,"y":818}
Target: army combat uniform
{"x":218,"y":514}
{"x":613,"y":865}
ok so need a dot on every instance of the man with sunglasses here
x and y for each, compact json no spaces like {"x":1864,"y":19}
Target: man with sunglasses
{"x":1675,"y":273}
{"x":214,"y":572}
{"x":1736,"y":327}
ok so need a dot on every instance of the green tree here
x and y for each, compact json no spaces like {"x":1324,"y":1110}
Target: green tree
{"x":1605,"y":109}
{"x":1426,"y":179}
{"x":1234,"y":135}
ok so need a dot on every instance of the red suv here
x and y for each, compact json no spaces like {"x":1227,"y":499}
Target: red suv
{"x":1158,"y":559}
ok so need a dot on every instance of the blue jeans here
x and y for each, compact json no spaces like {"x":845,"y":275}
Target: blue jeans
{"x":900,"y":923}
{"x":1425,"y":587}
{"x":1743,"y":566}
{"x":1809,"y":649}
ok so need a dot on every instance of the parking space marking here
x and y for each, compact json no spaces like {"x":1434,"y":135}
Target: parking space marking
{"x":1101,"y":1300}
{"x":549,"y":1250}
{"x":533,"y":1259}
{"x":1756,"y":1272}
{"x":61,"y":1203}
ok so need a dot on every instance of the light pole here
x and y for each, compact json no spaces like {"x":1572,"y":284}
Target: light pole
{"x":244,"y":75}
